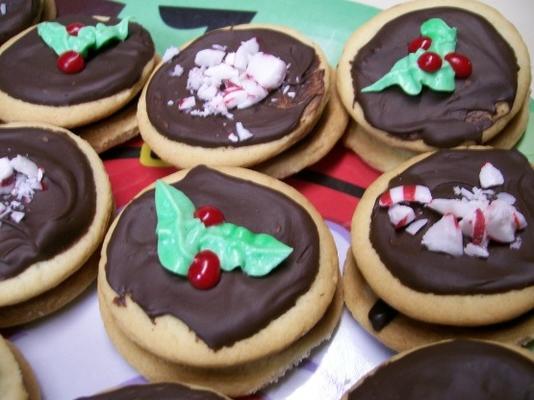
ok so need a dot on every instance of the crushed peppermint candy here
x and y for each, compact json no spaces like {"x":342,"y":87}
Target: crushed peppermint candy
{"x":170,"y":53}
{"x":3,"y":8}
{"x":223,"y":80}
{"x":19,"y":179}
{"x":177,"y":71}
{"x":480,"y":215}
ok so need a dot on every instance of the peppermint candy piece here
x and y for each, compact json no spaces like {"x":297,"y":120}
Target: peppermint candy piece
{"x":400,"y":215}
{"x":405,"y":194}
{"x":444,"y":236}
{"x":490,"y":176}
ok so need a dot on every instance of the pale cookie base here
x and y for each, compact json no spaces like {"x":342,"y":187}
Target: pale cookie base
{"x":169,"y":338}
{"x":45,"y":275}
{"x":367,"y":31}
{"x":30,"y":382}
{"x":446,"y":309}
{"x":383,"y":157}
{"x":113,"y":130}
{"x":522,"y":352}
{"x":14,"y":110}
{"x":232,"y":380}
{"x":52,"y":300}
{"x":183,"y":155}
{"x":11,"y":377}
{"x":315,"y":145}
{"x":404,"y":333}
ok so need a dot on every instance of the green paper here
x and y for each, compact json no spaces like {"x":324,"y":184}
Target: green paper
{"x":181,"y":236}
{"x":56,"y":36}
{"x":406,"y":72}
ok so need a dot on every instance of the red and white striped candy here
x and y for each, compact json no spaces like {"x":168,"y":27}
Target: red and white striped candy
{"x":400,"y":215}
{"x":405,"y":194}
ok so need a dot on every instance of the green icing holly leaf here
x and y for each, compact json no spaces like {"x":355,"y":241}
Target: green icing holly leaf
{"x":181,"y":236}
{"x":56,"y":36}
{"x":406,"y":72}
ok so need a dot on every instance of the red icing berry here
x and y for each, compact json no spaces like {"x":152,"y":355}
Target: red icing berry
{"x":429,"y":61}
{"x":74,"y":27}
{"x":205,"y":270}
{"x":70,"y":62}
{"x":460,"y":64}
{"x":209,"y":215}
{"x":421,"y":42}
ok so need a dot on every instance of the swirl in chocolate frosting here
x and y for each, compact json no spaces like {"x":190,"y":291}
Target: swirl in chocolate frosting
{"x":439,"y":119}
{"x":19,"y":14}
{"x":240,"y":305}
{"x":268,"y":120}
{"x":159,"y":391}
{"x":57,"y":216}
{"x":28,"y":70}
{"x":425,"y":271}
{"x":460,"y":369}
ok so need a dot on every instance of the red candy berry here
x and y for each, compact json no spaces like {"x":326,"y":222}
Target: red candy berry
{"x":70,"y":62}
{"x":460,"y":64}
{"x":74,"y":27}
{"x":421,"y":42}
{"x":429,"y":61}
{"x":209,"y":215}
{"x":205,"y":270}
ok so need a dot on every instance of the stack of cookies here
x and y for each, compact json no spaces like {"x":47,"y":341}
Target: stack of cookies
{"x":77,"y":72}
{"x":17,"y":381}
{"x":441,"y":248}
{"x":427,"y":75}
{"x":223,"y":278}
{"x":242,"y":96}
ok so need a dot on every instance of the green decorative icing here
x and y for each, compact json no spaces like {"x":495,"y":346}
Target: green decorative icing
{"x":56,"y":36}
{"x":181,"y":236}
{"x":406,"y":72}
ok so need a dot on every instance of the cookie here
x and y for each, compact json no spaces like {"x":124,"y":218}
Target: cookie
{"x":451,"y":370}
{"x":210,"y":105}
{"x":17,"y":381}
{"x":438,"y":269}
{"x":267,"y":307}
{"x":56,"y":205}
{"x":401,"y":333}
{"x":384,"y":157}
{"x":459,"y":83}
{"x":315,"y":145}
{"x":160,"y":391}
{"x":17,"y":15}
{"x":85,"y":83}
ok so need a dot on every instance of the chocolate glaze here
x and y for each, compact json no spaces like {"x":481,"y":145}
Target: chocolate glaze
{"x":266,"y":120}
{"x":439,"y":119}
{"x":19,"y":15}
{"x":426,"y":271}
{"x":381,"y":314}
{"x":460,"y":369}
{"x":239,"y":306}
{"x":28,"y":70}
{"x":56,"y":217}
{"x":159,"y":391}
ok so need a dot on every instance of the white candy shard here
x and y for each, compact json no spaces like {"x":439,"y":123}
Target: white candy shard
{"x":268,"y":70}
{"x":516,"y":245}
{"x":25,"y":166}
{"x":242,"y":132}
{"x":400,"y":215}
{"x":186,"y":103}
{"x":221,"y":72}
{"x":17,"y":216}
{"x":474,"y":250}
{"x":177,"y":71}
{"x":490,"y":176}
{"x":519,"y":220}
{"x":233,"y":137}
{"x":244,"y":52}
{"x":3,"y":8}
{"x":444,"y":236}
{"x":456,"y":207}
{"x":416,"y":226}
{"x":6,"y":170}
{"x":501,"y":223}
{"x":218,"y":47}
{"x":170,"y":53}
{"x":506,"y":197}
{"x":209,"y":57}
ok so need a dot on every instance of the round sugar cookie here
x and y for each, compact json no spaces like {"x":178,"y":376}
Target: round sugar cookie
{"x":188,"y":127}
{"x":451,"y":370}
{"x":401,"y":333}
{"x":384,"y":157}
{"x":17,"y":381}
{"x":479,"y":107}
{"x":315,"y":145}
{"x":450,"y":284}
{"x":262,"y":314}
{"x":239,"y":380}
{"x":17,"y":15}
{"x":56,"y":204}
{"x":33,"y":88}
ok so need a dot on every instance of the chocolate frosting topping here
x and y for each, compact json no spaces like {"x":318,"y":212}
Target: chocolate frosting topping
{"x":267,"y":120}
{"x":239,"y":306}
{"x":19,"y":14}
{"x":57,"y":216}
{"x":159,"y":391}
{"x":29,"y":73}
{"x":453,"y":370}
{"x":439,"y":119}
{"x":425,"y":271}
